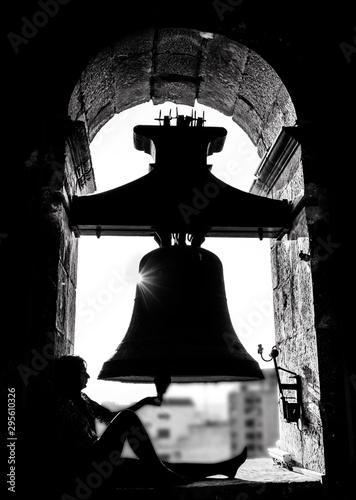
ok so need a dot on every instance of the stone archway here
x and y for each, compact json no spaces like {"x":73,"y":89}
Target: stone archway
{"x":182,"y":65}
{"x":185,"y":65}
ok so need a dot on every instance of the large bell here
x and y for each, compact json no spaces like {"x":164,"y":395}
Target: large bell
{"x":180,"y":324}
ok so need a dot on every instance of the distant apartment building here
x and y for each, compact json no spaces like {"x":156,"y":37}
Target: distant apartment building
{"x":169,"y":424}
{"x":253,"y":415}
{"x":181,"y":434}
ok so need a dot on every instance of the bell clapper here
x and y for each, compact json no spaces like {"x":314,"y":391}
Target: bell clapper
{"x":162,"y":382}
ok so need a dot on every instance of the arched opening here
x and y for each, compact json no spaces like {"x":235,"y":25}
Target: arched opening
{"x":183,"y":67}
{"x":107,"y":278}
{"x":47,"y":151}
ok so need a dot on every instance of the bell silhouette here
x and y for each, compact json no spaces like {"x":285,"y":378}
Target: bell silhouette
{"x":180,"y":325}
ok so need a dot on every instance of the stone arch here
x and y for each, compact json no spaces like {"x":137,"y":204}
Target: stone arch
{"x":182,"y":65}
{"x":185,"y":65}
{"x":303,"y":45}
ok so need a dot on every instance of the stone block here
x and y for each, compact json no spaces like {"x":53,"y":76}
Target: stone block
{"x":138,"y":43}
{"x":281,"y":272}
{"x":306,"y":448}
{"x":176,"y":64}
{"x":131,"y":81}
{"x":284,"y":102}
{"x":275,"y":122}
{"x":283,"y":311}
{"x":180,"y":92}
{"x":216,"y":98}
{"x":282,"y":114}
{"x":96,"y":81}
{"x":222,"y":65}
{"x":63,"y":345}
{"x":260,"y":84}
{"x":68,"y":251}
{"x":96,"y":122}
{"x":303,"y":310}
{"x":175,"y":40}
{"x":262,"y":147}
{"x":248,"y":119}
{"x":290,"y":184}
{"x":78,"y":161}
{"x":296,"y":340}
{"x":75,"y":107}
{"x":65,"y":304}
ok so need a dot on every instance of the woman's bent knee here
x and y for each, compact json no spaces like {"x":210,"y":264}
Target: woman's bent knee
{"x":125,"y":416}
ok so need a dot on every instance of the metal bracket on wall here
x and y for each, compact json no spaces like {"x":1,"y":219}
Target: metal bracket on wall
{"x":292,"y":411}
{"x":303,"y":202}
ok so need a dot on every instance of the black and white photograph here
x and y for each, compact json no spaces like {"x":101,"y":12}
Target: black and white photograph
{"x":177,"y":250}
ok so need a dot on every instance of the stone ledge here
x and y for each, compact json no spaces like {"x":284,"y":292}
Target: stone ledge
{"x":256,"y":479}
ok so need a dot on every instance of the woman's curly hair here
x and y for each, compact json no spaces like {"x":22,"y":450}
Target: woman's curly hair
{"x":67,"y":370}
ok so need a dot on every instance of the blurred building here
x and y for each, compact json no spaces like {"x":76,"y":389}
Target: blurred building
{"x":169,"y":424}
{"x":253,"y":415}
{"x":180,"y":433}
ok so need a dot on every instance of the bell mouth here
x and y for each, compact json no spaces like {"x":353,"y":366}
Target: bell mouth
{"x":188,"y":362}
{"x":180,"y":324}
{"x":178,"y":379}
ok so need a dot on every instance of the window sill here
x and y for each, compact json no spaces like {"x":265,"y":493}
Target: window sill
{"x":257,"y":478}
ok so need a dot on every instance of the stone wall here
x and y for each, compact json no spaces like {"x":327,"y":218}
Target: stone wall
{"x":182,"y":65}
{"x":304,"y":303}
{"x":296,"y":333}
{"x":67,"y":171}
{"x":39,"y":259}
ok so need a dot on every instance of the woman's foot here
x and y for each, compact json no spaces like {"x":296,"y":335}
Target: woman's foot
{"x":231,"y":466}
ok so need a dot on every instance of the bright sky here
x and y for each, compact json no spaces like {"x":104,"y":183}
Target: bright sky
{"x":108,"y":266}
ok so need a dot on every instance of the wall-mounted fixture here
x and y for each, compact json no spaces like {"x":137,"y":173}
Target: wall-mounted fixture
{"x":292,"y":410}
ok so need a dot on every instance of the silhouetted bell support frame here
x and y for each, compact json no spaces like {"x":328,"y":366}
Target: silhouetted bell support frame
{"x":292,"y":411}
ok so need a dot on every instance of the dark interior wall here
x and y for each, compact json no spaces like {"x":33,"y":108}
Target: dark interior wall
{"x":306,"y":44}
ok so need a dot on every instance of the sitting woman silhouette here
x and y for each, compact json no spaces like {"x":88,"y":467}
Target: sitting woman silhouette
{"x":87,"y":463}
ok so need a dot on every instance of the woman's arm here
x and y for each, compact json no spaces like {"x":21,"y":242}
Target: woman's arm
{"x":98,"y":411}
{"x":162,"y":382}
{"x":153,"y":401}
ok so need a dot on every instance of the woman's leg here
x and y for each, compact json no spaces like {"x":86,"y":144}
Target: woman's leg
{"x":127,"y":426}
{"x":199,"y":471}
{"x":102,"y":466}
